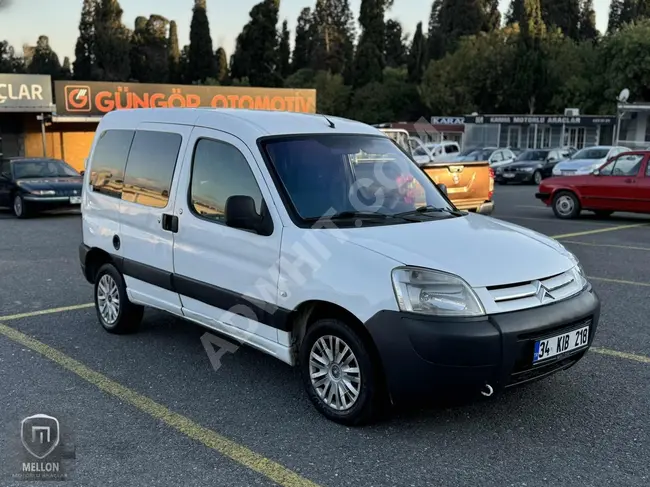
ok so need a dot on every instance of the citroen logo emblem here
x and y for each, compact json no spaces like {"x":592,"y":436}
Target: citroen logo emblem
{"x":542,"y":292}
{"x":455,"y":178}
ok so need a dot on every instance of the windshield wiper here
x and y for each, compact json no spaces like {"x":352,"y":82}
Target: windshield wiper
{"x":430,"y":209}
{"x":349,"y":215}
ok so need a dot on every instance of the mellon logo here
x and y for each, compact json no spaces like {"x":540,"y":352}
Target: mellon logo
{"x":77,"y":98}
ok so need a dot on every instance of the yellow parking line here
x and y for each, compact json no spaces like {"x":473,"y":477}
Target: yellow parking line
{"x":239,"y":453}
{"x":628,"y":356}
{"x":552,"y":220}
{"x":600,"y":230}
{"x":589,"y":244}
{"x":619,"y":281}
{"x":46,"y":312}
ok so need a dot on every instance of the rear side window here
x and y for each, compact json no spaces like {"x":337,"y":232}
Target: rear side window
{"x":451,"y":149}
{"x":109,"y":162}
{"x":150,"y":168}
{"x":220,"y":171}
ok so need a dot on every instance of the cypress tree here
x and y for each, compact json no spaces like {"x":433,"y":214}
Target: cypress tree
{"x":221,"y":61}
{"x":394,"y":48}
{"x":417,"y":56}
{"x":174,"y":54}
{"x":587,"y":28}
{"x":201,"y":55}
{"x":112,"y":43}
{"x":284,"y":51}
{"x":84,"y":50}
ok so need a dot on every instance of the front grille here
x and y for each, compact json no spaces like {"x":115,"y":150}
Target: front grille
{"x":68,"y":192}
{"x":543,"y":370}
{"x":534,"y":293}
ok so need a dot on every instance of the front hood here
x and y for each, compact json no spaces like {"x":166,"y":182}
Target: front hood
{"x":576,"y":164}
{"x":524,"y":164}
{"x":51,"y":184}
{"x":482,"y":250}
{"x":501,"y":164}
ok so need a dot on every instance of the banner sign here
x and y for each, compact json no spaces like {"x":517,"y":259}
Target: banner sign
{"x":25,"y":93}
{"x":540,"y":120}
{"x":99,"y":98}
{"x":447,"y":120}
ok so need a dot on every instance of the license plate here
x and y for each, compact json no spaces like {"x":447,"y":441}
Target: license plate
{"x":75,"y":200}
{"x":560,"y":344}
{"x":506,"y":175}
{"x":568,"y":173}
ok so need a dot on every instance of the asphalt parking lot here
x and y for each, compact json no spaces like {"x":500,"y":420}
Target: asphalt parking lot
{"x":148,"y":408}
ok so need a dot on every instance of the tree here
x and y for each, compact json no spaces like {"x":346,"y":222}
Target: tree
{"x":587,"y":30}
{"x":284,"y":51}
{"x":84,"y":51}
{"x":333,"y":94}
{"x":615,"y":9}
{"x":460,"y":18}
{"x":175,"y":73}
{"x":256,"y":49}
{"x":417,"y":56}
{"x":629,"y":12}
{"x":532,"y":24}
{"x":394,"y":48}
{"x":149,"y":50}
{"x":45,"y":60}
{"x":303,"y":42}
{"x":436,"y":46}
{"x":562,"y":14}
{"x":9,"y":62}
{"x":66,"y":69}
{"x":515,"y":12}
{"x":491,"y":15}
{"x":112,"y":43}
{"x":369,"y":59}
{"x":221,"y":61}
{"x":201,"y":56}
{"x":333,"y":36}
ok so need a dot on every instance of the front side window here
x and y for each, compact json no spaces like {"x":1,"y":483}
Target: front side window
{"x":451,"y":149}
{"x":623,"y":166}
{"x":219,"y":171}
{"x":335,"y":175}
{"x":150,"y":168}
{"x":5,"y":169}
{"x":46,"y":168}
{"x":109,"y":162}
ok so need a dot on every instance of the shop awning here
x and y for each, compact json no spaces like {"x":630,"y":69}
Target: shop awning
{"x":75,"y":119}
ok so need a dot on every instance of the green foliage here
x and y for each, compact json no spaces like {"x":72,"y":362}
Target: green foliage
{"x":84,"y":51}
{"x":9,"y":62}
{"x":284,"y":51}
{"x":200,"y":56}
{"x":587,"y":30}
{"x":395,"y":51}
{"x":417,"y":56}
{"x":221,"y":61}
{"x":111,"y":43}
{"x":562,"y":14}
{"x":333,"y":94}
{"x":45,"y":60}
{"x":174,"y":52}
{"x":304,"y":39}
{"x":150,"y":58}
{"x":333,"y":33}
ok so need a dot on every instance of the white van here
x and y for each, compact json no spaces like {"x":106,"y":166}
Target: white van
{"x":318,"y":241}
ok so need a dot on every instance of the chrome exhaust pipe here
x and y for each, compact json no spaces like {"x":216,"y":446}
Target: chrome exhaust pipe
{"x":487,"y":390}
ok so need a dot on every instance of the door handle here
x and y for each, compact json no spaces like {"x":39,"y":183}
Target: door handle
{"x":170,"y":223}
{"x":630,"y":180}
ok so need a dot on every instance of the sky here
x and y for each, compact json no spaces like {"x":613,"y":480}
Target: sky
{"x":24,"y":20}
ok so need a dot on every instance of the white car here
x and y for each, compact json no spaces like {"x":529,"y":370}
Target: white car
{"x":317,"y":241}
{"x":586,"y":160}
{"x":434,"y":152}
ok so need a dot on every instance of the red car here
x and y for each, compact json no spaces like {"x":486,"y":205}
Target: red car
{"x":621,"y":184}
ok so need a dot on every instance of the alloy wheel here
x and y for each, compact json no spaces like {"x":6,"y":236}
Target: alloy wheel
{"x":108,"y":299}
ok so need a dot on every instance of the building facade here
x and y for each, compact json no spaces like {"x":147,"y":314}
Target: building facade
{"x":25,"y":103}
{"x":634,"y":125}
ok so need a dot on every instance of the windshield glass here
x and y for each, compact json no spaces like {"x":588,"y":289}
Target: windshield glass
{"x":591,"y":153}
{"x":325,"y":175}
{"x":43,"y":169}
{"x":533,"y":155}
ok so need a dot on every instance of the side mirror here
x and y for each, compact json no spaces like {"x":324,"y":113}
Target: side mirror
{"x":443,"y":188}
{"x":596,"y":172}
{"x":551,"y":160}
{"x":240,"y":213}
{"x":82,"y":172}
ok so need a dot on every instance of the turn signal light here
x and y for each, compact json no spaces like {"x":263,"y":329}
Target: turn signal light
{"x":491,"y":187}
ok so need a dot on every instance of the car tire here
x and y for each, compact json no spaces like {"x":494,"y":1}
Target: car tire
{"x":603,"y":213}
{"x":115,"y":312}
{"x":319,"y":377}
{"x":566,"y":205}
{"x":19,"y":207}
{"x":537,"y":178}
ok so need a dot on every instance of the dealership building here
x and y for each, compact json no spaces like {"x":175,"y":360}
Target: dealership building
{"x":34,"y":124}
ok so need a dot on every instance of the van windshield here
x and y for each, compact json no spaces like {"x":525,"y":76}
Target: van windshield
{"x":358,"y":176}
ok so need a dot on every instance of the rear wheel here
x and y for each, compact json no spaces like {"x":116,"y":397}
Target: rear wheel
{"x":114,"y":310}
{"x":339,"y":375}
{"x":566,"y":205}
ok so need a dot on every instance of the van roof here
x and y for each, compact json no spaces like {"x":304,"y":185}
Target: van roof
{"x":259,"y":122}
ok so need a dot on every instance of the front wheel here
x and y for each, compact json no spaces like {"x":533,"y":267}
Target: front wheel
{"x":20,"y":207}
{"x":114,"y":310}
{"x":537,"y":178}
{"x":339,"y":375}
{"x":566,"y":205}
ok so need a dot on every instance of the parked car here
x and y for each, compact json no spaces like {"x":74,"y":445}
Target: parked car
{"x":586,"y":160}
{"x":435,"y":152}
{"x":29,"y":185}
{"x":252,"y":224}
{"x":531,"y":166}
{"x":621,"y":184}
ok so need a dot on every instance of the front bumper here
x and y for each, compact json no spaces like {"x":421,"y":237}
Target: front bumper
{"x":421,"y":355}
{"x":515,"y":177}
{"x":36,"y":201}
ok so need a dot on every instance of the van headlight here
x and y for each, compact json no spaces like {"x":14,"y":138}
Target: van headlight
{"x":434,"y":293}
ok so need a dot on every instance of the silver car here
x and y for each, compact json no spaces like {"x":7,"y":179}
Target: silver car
{"x":586,"y":160}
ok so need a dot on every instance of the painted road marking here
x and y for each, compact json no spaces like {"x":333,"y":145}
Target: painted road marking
{"x":589,"y":244}
{"x":614,"y":353}
{"x":552,"y":220}
{"x":600,"y":230}
{"x":239,"y":453}
{"x":46,"y":312}
{"x":619,"y":281}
